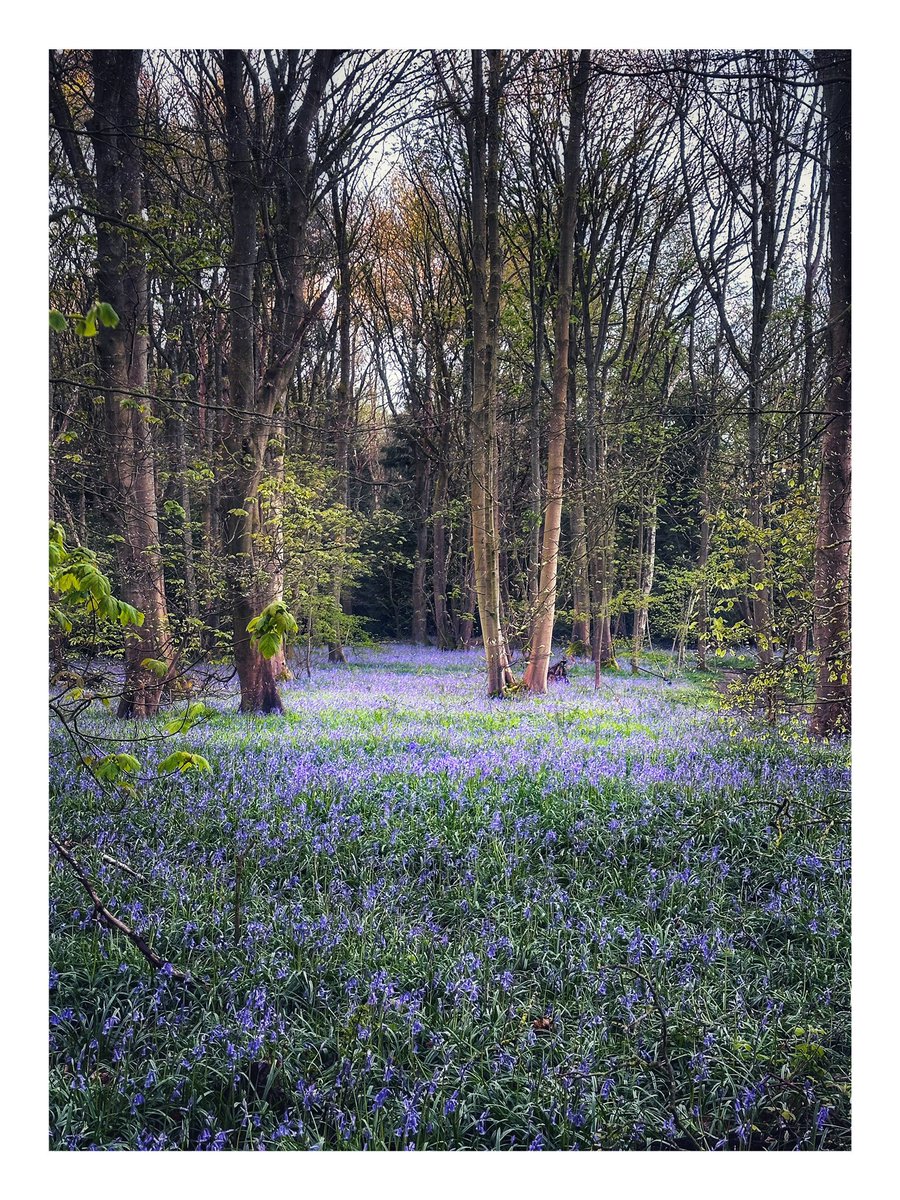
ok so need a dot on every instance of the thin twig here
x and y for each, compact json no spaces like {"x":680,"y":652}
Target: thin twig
{"x":115,"y":862}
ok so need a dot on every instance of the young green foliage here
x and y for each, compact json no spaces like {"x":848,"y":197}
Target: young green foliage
{"x":181,"y":761}
{"x":86,"y":325}
{"x":272,"y":628}
{"x":77,"y":585}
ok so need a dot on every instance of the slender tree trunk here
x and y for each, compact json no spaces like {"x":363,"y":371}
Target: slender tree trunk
{"x":187,"y":534}
{"x":599,"y":490}
{"x":534,"y":550}
{"x":259,"y":690}
{"x":439,"y":559}
{"x":646,"y":564}
{"x":607,"y":534}
{"x":213,"y":423}
{"x":831,"y":714}
{"x":420,"y":562}
{"x":702,"y":566}
{"x":470,"y":600}
{"x":814,"y":247}
{"x":651,"y":569}
{"x":343,"y":400}
{"x":759,"y":582}
{"x":581,"y":624}
{"x":636,"y":626}
{"x":591,"y":491}
{"x":486,"y":265}
{"x":271,"y":513}
{"x":581,"y":598}
{"x":681,"y":639}
{"x":545,"y":613}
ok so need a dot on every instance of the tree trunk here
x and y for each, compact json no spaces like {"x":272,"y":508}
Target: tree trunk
{"x":486,"y":266}
{"x":187,"y":534}
{"x":581,"y":623}
{"x":646,"y":562}
{"x":439,"y":559}
{"x":246,"y":443}
{"x":759,"y":595}
{"x":534,"y":544}
{"x":259,"y":393}
{"x":814,"y":248}
{"x":343,"y":399}
{"x":702,"y":565}
{"x":420,"y":562}
{"x":545,"y":613}
{"x":465,"y":608}
{"x":122,"y":354}
{"x":581,"y":597}
{"x":259,"y":687}
{"x":831,"y":713}
{"x":271,"y":514}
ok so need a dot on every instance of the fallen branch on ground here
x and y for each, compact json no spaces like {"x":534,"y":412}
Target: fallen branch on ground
{"x":106,"y":918}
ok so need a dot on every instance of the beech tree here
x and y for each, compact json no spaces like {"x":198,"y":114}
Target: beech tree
{"x":112,"y":196}
{"x":286,"y":151}
{"x":545,"y":610}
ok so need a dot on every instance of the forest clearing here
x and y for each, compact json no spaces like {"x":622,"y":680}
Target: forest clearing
{"x":413,"y":919}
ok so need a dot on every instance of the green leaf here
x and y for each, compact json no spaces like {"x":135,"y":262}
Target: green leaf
{"x":107,"y":315}
{"x":182,"y":761}
{"x":195,"y":712}
{"x":127,"y":615}
{"x":269,"y":645}
{"x":270,"y":628}
{"x":174,"y":510}
{"x":61,"y":619}
{"x":157,"y":666}
{"x":110,"y":768}
{"x":86,"y":327}
{"x":58,"y":322}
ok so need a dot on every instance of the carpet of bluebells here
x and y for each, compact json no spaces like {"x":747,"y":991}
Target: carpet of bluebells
{"x":413,"y":918}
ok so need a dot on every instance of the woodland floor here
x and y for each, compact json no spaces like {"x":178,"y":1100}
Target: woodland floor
{"x":592,"y":920}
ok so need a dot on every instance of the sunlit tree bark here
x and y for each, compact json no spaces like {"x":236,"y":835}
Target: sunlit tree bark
{"x":545,"y":612}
